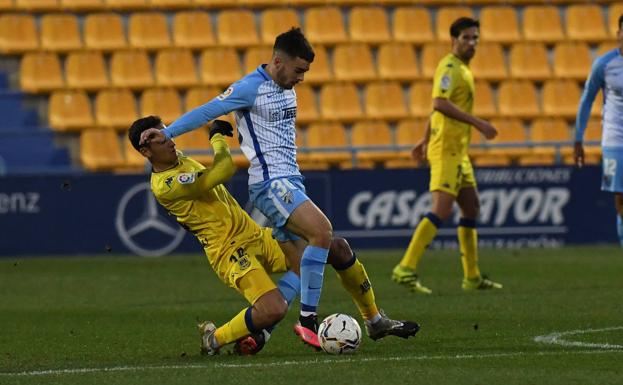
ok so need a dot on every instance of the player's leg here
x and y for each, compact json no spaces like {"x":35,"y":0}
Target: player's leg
{"x":618,"y":204}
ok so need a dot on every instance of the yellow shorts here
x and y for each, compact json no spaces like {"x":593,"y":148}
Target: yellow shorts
{"x":247,"y":269}
{"x":451,"y":174}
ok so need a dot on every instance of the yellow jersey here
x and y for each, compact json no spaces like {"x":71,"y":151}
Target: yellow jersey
{"x":453,"y":81}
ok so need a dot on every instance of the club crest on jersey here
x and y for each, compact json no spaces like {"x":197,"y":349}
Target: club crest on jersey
{"x":168,"y":181}
{"x":186,"y":178}
{"x":445,"y":83}
{"x":225,"y":94}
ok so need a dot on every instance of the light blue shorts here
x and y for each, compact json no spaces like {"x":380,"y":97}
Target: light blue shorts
{"x":277,"y":198}
{"x":612,"y":169}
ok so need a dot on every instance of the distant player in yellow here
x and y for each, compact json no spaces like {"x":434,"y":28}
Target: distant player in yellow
{"x":238,"y":249}
{"x":451,"y":174}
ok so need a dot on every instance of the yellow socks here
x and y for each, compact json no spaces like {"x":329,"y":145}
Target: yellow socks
{"x":423,"y":236}
{"x":234,"y":329}
{"x":355,"y":280}
{"x":468,"y":242}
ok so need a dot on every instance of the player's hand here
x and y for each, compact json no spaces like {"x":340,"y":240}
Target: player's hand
{"x":487,"y":130}
{"x":151,"y":135}
{"x":578,"y":154}
{"x":222,"y":127}
{"x":418,"y":153}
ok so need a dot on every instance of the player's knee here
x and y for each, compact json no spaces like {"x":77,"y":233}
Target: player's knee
{"x":322,"y":237}
{"x":276,"y":312}
{"x":443,"y":213}
{"x":339,"y":252}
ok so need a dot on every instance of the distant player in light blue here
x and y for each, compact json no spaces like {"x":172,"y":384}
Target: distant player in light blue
{"x":606,"y":75}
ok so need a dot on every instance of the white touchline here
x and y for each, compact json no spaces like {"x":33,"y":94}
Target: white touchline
{"x":337,"y":360}
{"x":555,"y":338}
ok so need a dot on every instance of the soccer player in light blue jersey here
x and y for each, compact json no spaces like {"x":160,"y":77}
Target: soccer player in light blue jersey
{"x":606,"y":75}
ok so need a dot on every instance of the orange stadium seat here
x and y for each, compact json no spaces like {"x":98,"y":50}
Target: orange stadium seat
{"x":614,"y":12}
{"x":194,"y":140}
{"x":127,"y":4}
{"x":484,"y":105}
{"x":37,"y":5}
{"x":130,"y":69}
{"x":385,"y":100}
{"x":541,"y":23}
{"x":545,"y":132}
{"x":518,"y":98}
{"x":82,"y":5}
{"x":115,"y":108}
{"x":86,"y":70}
{"x":6,"y":5}
{"x":510,"y":131}
{"x":134,"y":161}
{"x":276,"y":21}
{"x":198,"y":96}
{"x":70,"y":110}
{"x":100,"y":149}
{"x":431,"y":55}
{"x":408,"y":133}
{"x":446,"y":16}
{"x":593,"y":130}
{"x":370,"y":133}
{"x":561,"y":98}
{"x":412,"y":25}
{"x":529,"y":61}
{"x":397,"y":61}
{"x":236,"y":28}
{"x":165,"y":103}
{"x":255,"y":56}
{"x":368,"y":24}
{"x":605,"y":47}
{"x":219,"y":66}
{"x":325,"y":135}
{"x":170,"y":4}
{"x":340,"y":101}
{"x":307,"y":108}
{"x":148,"y":30}
{"x":420,"y":99}
{"x":353,"y":62}
{"x":325,"y":25}
{"x":18,"y":33}
{"x":320,"y":70}
{"x":193,"y":29}
{"x":40,"y":72}
{"x":489,"y":64}
{"x":60,"y":32}
{"x":572,"y":60}
{"x":585,"y":22}
{"x":175,"y":68}
{"x":104,"y":31}
{"x":499,"y":24}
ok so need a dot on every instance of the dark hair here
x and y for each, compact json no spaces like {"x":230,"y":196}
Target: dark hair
{"x":140,"y":125}
{"x":294,"y":44}
{"x":620,"y":21}
{"x":461,"y":24}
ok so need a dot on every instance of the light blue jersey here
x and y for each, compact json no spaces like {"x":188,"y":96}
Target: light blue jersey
{"x":265,"y":115}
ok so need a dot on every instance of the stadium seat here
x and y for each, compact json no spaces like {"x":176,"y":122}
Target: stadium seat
{"x":431,"y":55}
{"x":593,"y":130}
{"x":561,"y":98}
{"x":198,"y":96}
{"x":353,"y":62}
{"x":614,"y":12}
{"x":40,"y":72}
{"x":605,"y":47}
{"x":370,"y":133}
{"x":115,"y":108}
{"x":325,"y":135}
{"x":70,"y":110}
{"x":100,"y":150}
{"x":123,"y":5}
{"x":412,"y":25}
{"x":529,"y":61}
{"x":408,"y":133}
{"x":195,"y":140}
{"x":489,"y":64}
{"x":340,"y":101}
{"x":18,"y":33}
{"x":597,"y":105}
{"x":83,"y":5}
{"x":148,"y":30}
{"x":518,"y":98}
{"x":214,"y":3}
{"x":541,"y":23}
{"x":236,"y":28}
{"x":421,"y":99}
{"x":86,"y":70}
{"x":133,"y":160}
{"x":368,"y":24}
{"x":325,"y":25}
{"x":592,"y":144}
{"x":385,"y":100}
{"x":104,"y":31}
{"x":130,"y":69}
{"x":446,"y":16}
{"x":168,"y":5}
{"x":510,"y":132}
{"x":175,"y":68}
{"x":275,"y":21}
{"x":165,"y":103}
{"x":484,"y":104}
{"x":499,"y":24}
{"x":60,"y":32}
{"x":6,"y":5}
{"x":547,"y":133}
{"x":307,"y":108}
{"x":219,"y":66}
{"x":585,"y":22}
{"x":397,"y":61}
{"x":572,"y":60}
{"x":37,"y":5}
{"x":255,"y":56}
{"x":320,"y":70}
{"x":193,"y":29}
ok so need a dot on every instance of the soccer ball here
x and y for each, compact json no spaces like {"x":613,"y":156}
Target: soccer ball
{"x":339,"y":334}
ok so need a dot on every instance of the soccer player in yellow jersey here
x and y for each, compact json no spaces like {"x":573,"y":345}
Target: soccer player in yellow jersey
{"x":238,"y":249}
{"x":451,"y":174}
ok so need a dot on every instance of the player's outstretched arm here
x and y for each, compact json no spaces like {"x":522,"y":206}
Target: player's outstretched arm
{"x":223,"y":167}
{"x":450,"y":110}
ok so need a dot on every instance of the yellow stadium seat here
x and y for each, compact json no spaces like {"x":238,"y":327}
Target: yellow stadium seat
{"x":18,"y":33}
{"x":510,"y":131}
{"x":403,"y":69}
{"x":6,"y":5}
{"x":592,"y":144}
{"x":368,"y":24}
{"x":115,"y":108}
{"x":340,"y":101}
{"x":325,"y":135}
{"x":572,"y":60}
{"x":198,"y":96}
{"x":412,"y":25}
{"x":484,"y":105}
{"x":40,"y":72}
{"x":431,"y":55}
{"x":498,"y":23}
{"x":446,"y":16}
{"x":325,"y":25}
{"x":593,"y":130}
{"x":585,"y":22}
{"x":127,"y":4}
{"x":37,"y":5}
{"x":560,"y":98}
{"x":385,"y":100}
{"x":541,"y":23}
{"x":320,"y":70}
{"x":276,"y":21}
{"x":70,"y":110}
{"x":236,"y":28}
{"x":219,"y":66}
{"x":408,"y":133}
{"x":165,"y":103}
{"x":307,"y":109}
{"x":370,"y":133}
{"x":130,"y":69}
{"x":255,"y":56}
{"x":214,"y":3}
{"x":100,"y":149}
{"x":104,"y":31}
{"x":529,"y":61}
{"x":194,"y":140}
{"x":550,"y":130}
{"x":60,"y":32}
{"x":605,"y":47}
{"x":597,"y":105}
{"x":193,"y":29}
{"x":83,"y":5}
{"x":175,"y":68}
{"x":614,"y":12}
{"x":133,"y":160}
{"x":518,"y":98}
{"x":86,"y":70}
{"x":420,"y":99}
{"x":170,"y":4}
{"x":353,"y":62}
{"x":148,"y":30}
{"x":489,"y":64}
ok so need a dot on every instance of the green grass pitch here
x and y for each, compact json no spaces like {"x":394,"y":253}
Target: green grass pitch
{"x":128,"y":320}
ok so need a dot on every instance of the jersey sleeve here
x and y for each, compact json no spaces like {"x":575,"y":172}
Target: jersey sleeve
{"x":594,"y":83}
{"x":446,"y":80}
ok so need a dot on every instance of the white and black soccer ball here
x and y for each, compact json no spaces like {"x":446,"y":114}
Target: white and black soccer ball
{"x":339,"y":334}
